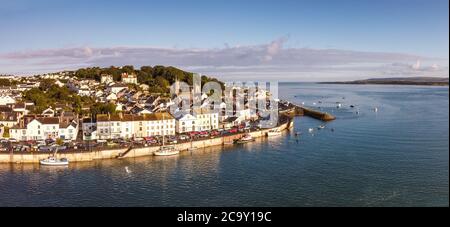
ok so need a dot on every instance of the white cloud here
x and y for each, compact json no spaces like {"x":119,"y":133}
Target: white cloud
{"x":270,"y":61}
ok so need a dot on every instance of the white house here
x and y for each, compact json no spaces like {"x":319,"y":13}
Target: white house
{"x":5,"y":100}
{"x":130,"y":126}
{"x":116,"y":88}
{"x":106,"y":79}
{"x":206,"y":119}
{"x":129,"y":78}
{"x":185,"y":123}
{"x":89,"y":129}
{"x":59,"y":83}
{"x":37,"y":129}
{"x":111,"y":97}
{"x":68,"y":131}
{"x":49,"y":112}
{"x":108,"y":126}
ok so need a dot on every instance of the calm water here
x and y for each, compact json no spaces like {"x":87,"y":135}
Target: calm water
{"x":395,"y":157}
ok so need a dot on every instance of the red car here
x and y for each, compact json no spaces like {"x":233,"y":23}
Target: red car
{"x":233,"y":130}
{"x":193,"y":134}
{"x":215,"y":133}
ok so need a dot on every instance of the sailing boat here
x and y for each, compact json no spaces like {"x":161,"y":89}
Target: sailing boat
{"x":166,"y":150}
{"x":53,"y":161}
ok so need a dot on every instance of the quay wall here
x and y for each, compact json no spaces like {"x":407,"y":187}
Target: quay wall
{"x":135,"y":152}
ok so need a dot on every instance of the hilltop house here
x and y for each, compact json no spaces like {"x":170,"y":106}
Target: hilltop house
{"x":129,"y":78}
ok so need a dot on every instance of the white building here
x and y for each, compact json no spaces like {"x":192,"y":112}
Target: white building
{"x":130,"y":126}
{"x":129,"y":78}
{"x":206,"y":119}
{"x":186,"y":123}
{"x":5,"y":100}
{"x":106,"y":79}
{"x":68,"y":131}
{"x":37,"y":129}
{"x":111,"y":97}
{"x":116,"y":88}
{"x":108,"y":126}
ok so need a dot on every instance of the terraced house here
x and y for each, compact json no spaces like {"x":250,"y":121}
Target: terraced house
{"x":42,"y":128}
{"x":129,"y":126}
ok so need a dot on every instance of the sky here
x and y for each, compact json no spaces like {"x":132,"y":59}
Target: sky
{"x":296,"y":40}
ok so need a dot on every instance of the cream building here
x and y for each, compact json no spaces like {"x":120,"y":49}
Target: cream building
{"x":206,"y":119}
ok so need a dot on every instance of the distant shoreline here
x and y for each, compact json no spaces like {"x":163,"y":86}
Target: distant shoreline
{"x":431,"y":81}
{"x":417,"y":84}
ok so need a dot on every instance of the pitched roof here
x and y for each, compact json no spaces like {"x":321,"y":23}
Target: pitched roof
{"x":48,"y":120}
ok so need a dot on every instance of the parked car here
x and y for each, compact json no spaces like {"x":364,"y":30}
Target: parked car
{"x":215,"y":133}
{"x":183,"y":137}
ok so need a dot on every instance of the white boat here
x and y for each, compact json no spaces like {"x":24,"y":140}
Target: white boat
{"x":310,"y":130}
{"x":166,"y":150}
{"x":321,"y":127}
{"x":192,"y":149}
{"x":273,"y":132}
{"x":52,"y":161}
{"x":228,"y":143}
{"x":245,"y":139}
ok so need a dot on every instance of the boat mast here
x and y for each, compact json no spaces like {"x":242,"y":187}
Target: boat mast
{"x":163,"y":129}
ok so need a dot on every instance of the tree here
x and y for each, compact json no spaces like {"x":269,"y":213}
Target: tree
{"x":6,"y":132}
{"x":59,"y":141}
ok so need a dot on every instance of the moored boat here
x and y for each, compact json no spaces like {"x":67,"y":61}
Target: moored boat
{"x":53,"y":161}
{"x":166,"y":151}
{"x":245,"y":139}
{"x":273,"y":132}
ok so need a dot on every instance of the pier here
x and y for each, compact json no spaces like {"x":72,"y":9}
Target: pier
{"x":293,"y":110}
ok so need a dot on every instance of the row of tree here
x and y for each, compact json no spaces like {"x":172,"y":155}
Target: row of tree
{"x":159,"y":78}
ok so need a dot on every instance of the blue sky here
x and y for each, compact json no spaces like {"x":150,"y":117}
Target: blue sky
{"x":413,"y":27}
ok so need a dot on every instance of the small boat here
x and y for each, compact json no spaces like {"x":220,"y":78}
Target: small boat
{"x":192,"y":149}
{"x":228,"y":143}
{"x":245,"y":139}
{"x":339,"y":105}
{"x":352,"y":106}
{"x":166,"y":151}
{"x":53,"y":161}
{"x":273,"y":132}
{"x":310,"y":130}
{"x":321,"y":127}
{"x":375,"y":109}
{"x":332,"y":129}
